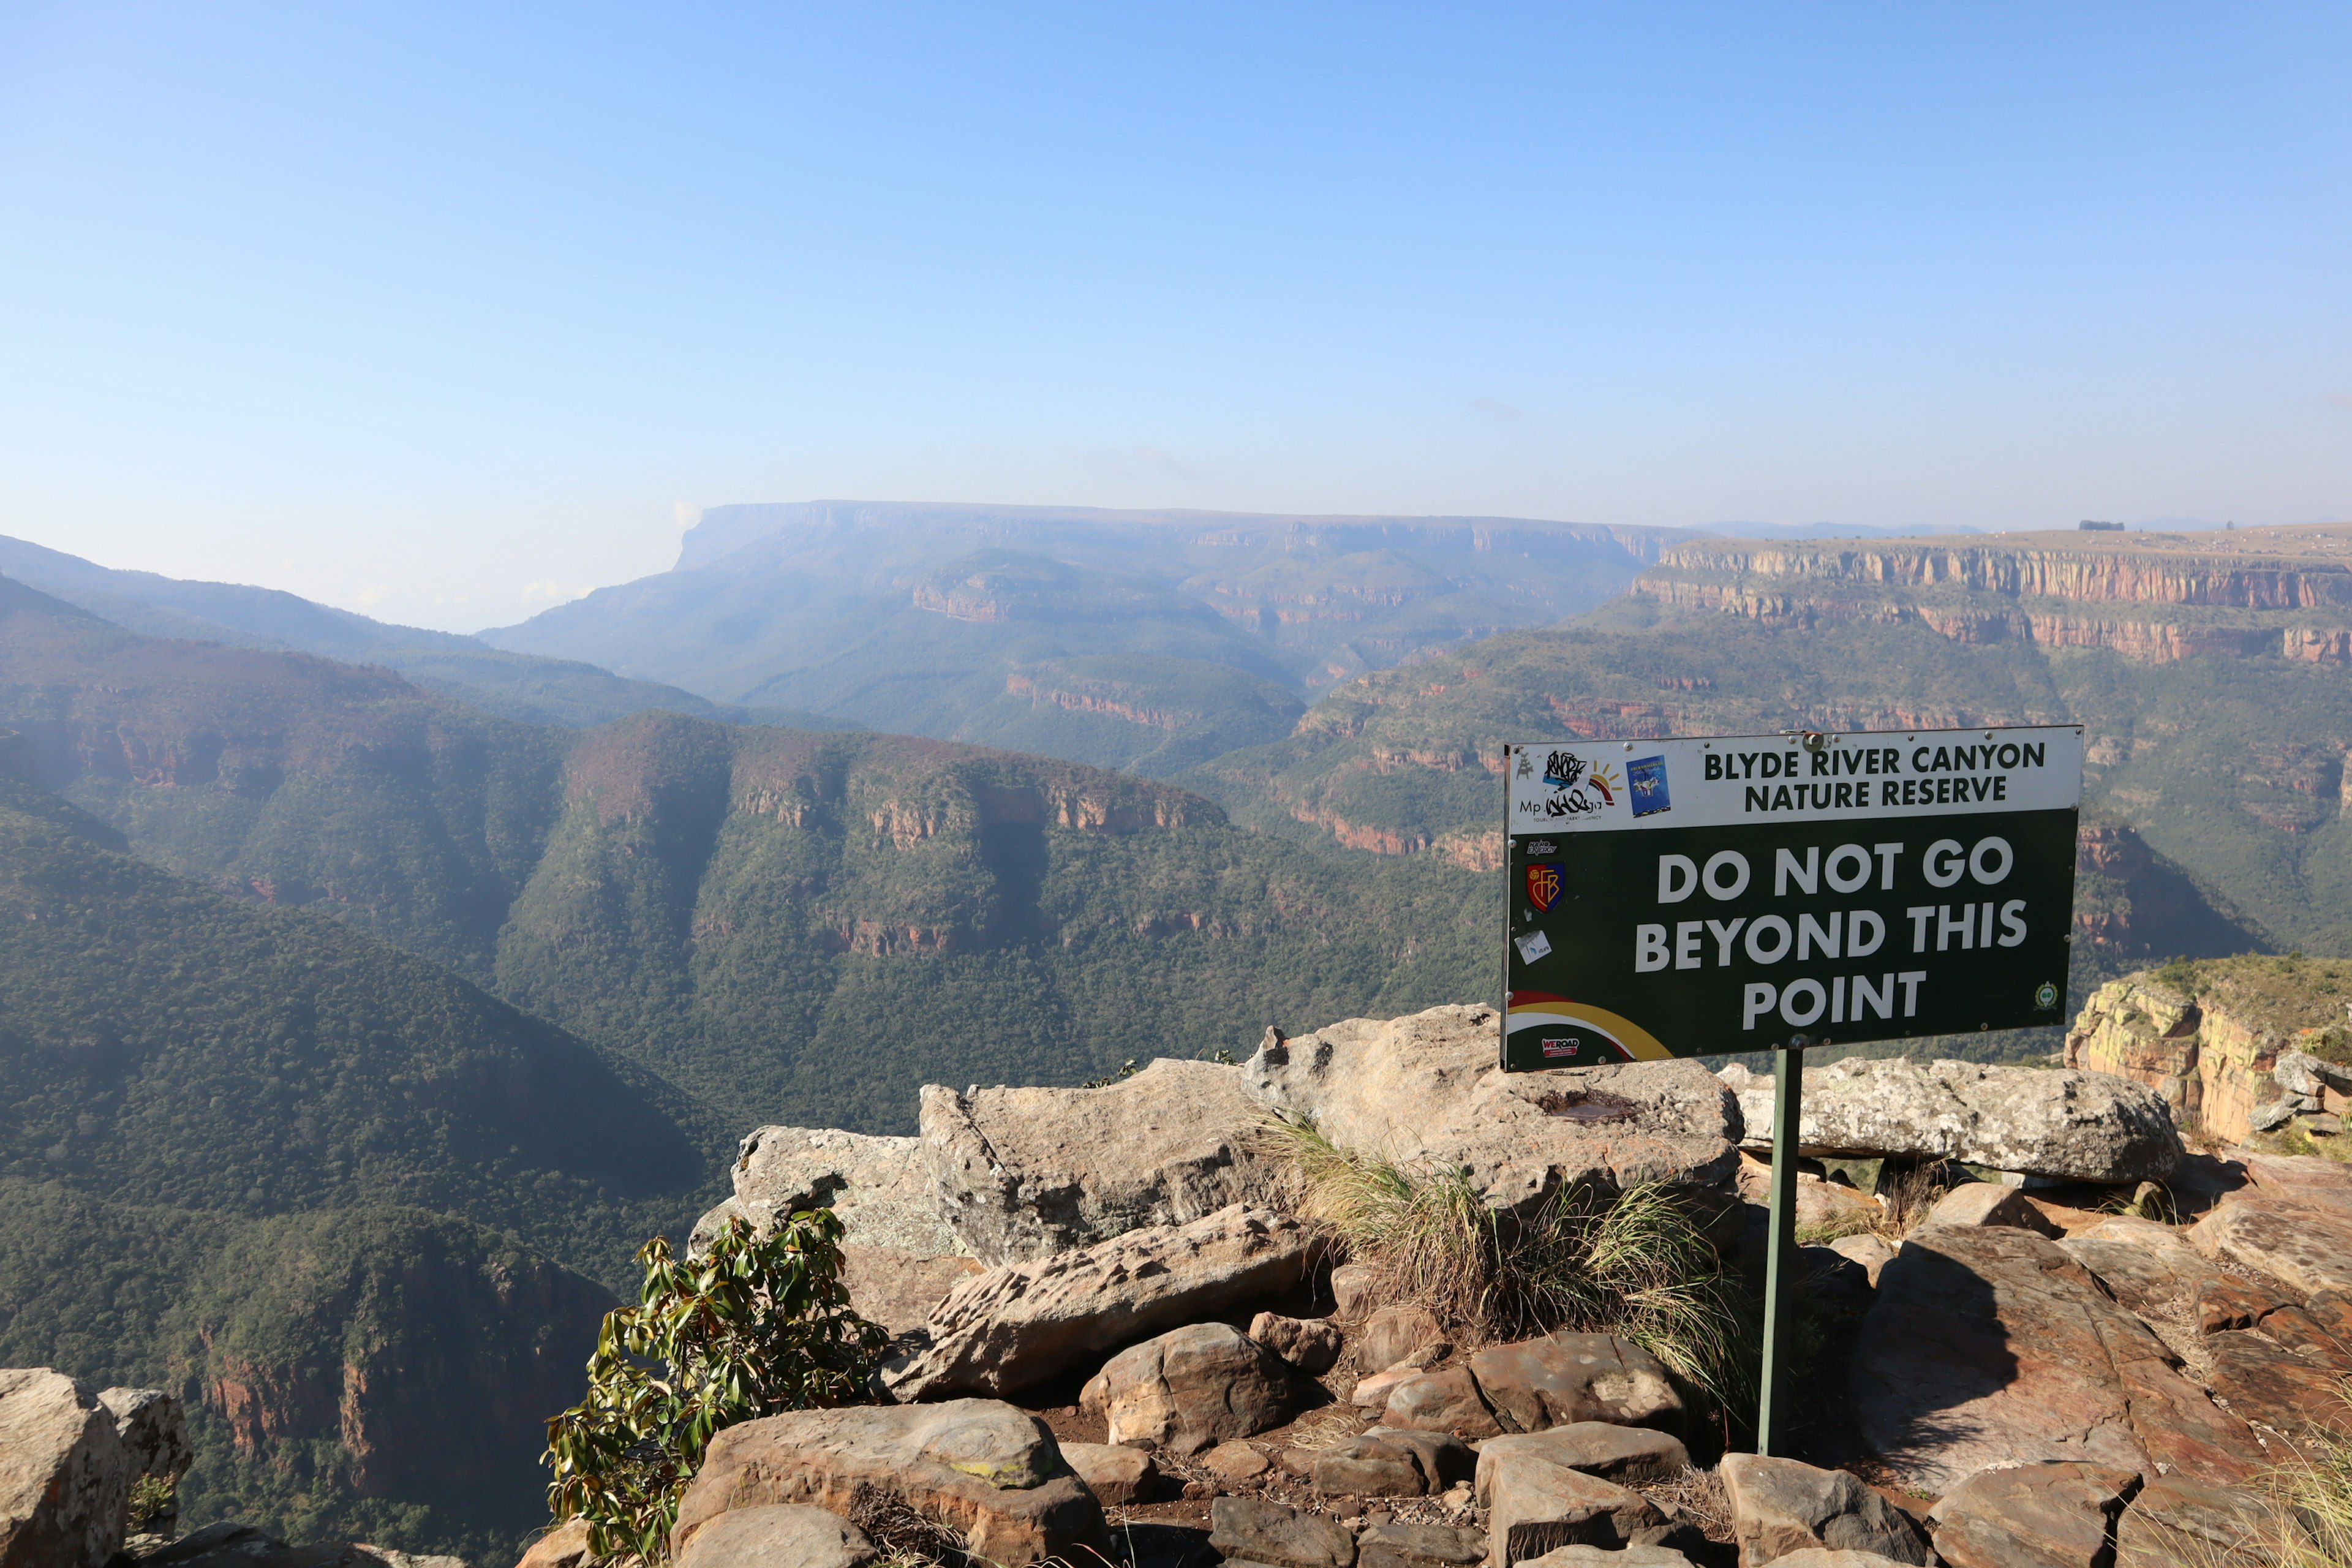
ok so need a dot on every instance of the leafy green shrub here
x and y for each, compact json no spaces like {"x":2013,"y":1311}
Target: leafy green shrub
{"x":754,"y":1327}
{"x":153,"y":1498}
{"x":1634,"y":1264}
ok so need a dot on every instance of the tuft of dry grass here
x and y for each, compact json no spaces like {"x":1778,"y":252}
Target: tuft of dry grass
{"x":1906,"y":1193}
{"x":1634,"y":1264}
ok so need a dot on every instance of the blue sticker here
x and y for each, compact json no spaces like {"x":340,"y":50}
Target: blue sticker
{"x":1646,"y":776}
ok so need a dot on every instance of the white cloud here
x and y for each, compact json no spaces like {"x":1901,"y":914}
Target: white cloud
{"x":685,"y":513}
{"x":541,"y":595}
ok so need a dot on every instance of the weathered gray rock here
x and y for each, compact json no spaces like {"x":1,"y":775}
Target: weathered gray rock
{"x":898,"y":1288}
{"x":1989,"y":1346}
{"x":1602,"y":1557}
{"x":565,"y":1546}
{"x":1629,"y":1455}
{"x":1020,"y":1173}
{"x":1781,"y":1506}
{"x":878,"y":1187}
{"x":976,"y":1465}
{"x":1237,"y":1462}
{"x":2031,"y":1516}
{"x":1564,"y":1378}
{"x":1427,"y":1087}
{"x":1388,"y":1461}
{"x":1254,"y":1529}
{"x":2176,"y":1519}
{"x":1310,"y":1344}
{"x":2086,"y":1126}
{"x":1022,"y":1323}
{"x":1987,"y":1202}
{"x":1446,"y":1400}
{"x":1191,"y":1387}
{"x":1535,"y":1506}
{"x":2300,"y":1072}
{"x":229,"y":1545}
{"x":65,"y":1476}
{"x":778,"y":1535}
{"x":1117,"y":1474}
{"x":1392,"y":1333}
{"x":1400,"y":1544}
{"x":154,"y":1429}
{"x":2305,"y":1244}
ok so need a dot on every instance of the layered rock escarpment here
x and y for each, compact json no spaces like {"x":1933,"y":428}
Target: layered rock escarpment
{"x":2280,"y":591}
{"x":2209,"y":1037}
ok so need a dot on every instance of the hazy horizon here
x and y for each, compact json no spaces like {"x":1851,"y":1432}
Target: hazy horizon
{"x":446,"y":316}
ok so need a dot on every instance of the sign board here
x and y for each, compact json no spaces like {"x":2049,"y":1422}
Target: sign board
{"x":1690,"y":898}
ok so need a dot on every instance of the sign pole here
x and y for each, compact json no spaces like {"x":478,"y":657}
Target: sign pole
{"x":1780,"y":1258}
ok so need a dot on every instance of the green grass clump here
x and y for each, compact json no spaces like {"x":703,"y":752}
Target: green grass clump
{"x":1634,"y":1264}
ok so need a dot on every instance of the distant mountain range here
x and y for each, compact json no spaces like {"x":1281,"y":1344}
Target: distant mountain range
{"x":1142,"y":640}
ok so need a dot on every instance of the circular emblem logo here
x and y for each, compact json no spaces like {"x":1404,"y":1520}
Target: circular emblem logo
{"x":2047,"y":996}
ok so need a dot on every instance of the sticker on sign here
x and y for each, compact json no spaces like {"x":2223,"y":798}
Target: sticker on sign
{"x":1728,"y":893}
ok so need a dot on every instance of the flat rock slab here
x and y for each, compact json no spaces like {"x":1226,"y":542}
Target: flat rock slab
{"x":1829,"y":1557}
{"x":1991,"y":1346}
{"x":1400,"y":1544}
{"x":1255,"y":1529}
{"x":1987,"y":1202}
{"x":978,"y":1467}
{"x":1020,"y":1173}
{"x":1535,"y":1506}
{"x":1117,"y":1475}
{"x":2082,"y":1126}
{"x":64,"y":1476}
{"x":2032,"y":1516}
{"x":2306,"y":1178}
{"x":1445,"y":1400}
{"x":1781,"y":1506}
{"x":2306,"y":1246}
{"x":2176,"y":1521}
{"x":1191,"y":1388}
{"x":1427,"y":1087}
{"x":1564,"y":1378}
{"x":1024,"y":1323}
{"x":2267,"y":1382}
{"x":779,"y":1535}
{"x":1629,"y":1455}
{"x":898,"y":1288}
{"x":2146,"y":1273}
{"x":878,"y":1187}
{"x":1390,"y":1462}
{"x":1601,"y":1557}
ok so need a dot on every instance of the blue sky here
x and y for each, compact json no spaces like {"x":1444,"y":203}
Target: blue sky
{"x":446,"y":312}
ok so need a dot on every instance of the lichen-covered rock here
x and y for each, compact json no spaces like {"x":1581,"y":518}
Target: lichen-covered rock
{"x":1022,"y":1323}
{"x":2306,"y":1246}
{"x":65,"y":1476}
{"x":1782,"y":1506}
{"x":154,"y":1429}
{"x":1191,"y":1387}
{"x":1021,"y":1173}
{"x":2084,"y":1126}
{"x":1428,"y":1088}
{"x":877,"y":1187}
{"x":978,"y":1467}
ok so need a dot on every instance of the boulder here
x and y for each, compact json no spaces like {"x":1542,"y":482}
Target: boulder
{"x":1387,"y":1461}
{"x":2082,"y":1126}
{"x":1442,"y":1401}
{"x":2297,"y":1177}
{"x":1237,"y":1462}
{"x":1401,"y":1544}
{"x":1191,"y":1387}
{"x":64,"y":1476}
{"x":1866,"y":1249}
{"x":1021,"y":1173}
{"x":565,"y":1546}
{"x":1829,"y":1557}
{"x":2031,"y":1516}
{"x":1355,"y":1288}
{"x":1428,"y":1088}
{"x":2306,"y":1246}
{"x":1824,"y":1207}
{"x":1391,"y":1334}
{"x":2176,"y":1519}
{"x":978,"y":1467}
{"x":1564,"y":1377}
{"x":1602,"y":1557}
{"x":1022,"y":1323}
{"x":878,"y":1187}
{"x":1629,"y":1455}
{"x":1310,"y":1344}
{"x":2143,"y":1265}
{"x":1535,"y":1506}
{"x":1253,"y":1530}
{"x":898,"y":1288}
{"x":154,"y":1429}
{"x":778,"y":1535}
{"x":1987,"y":1202}
{"x":1117,"y":1475}
{"x":1989,"y":1346}
{"x":1780,"y":1506}
{"x":1372,"y":1392}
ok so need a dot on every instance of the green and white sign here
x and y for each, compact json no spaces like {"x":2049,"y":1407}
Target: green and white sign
{"x":1687,"y":897}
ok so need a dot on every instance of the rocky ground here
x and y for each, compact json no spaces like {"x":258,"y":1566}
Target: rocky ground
{"x":2046,"y":1334}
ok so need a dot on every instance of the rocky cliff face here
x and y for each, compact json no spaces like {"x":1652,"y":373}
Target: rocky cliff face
{"x":2209,"y":1036}
{"x":2284,"y":590}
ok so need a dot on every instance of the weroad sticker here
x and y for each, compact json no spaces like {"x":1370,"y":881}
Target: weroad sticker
{"x":1687,"y":897}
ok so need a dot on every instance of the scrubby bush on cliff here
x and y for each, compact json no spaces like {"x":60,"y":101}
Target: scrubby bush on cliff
{"x":754,"y":1327}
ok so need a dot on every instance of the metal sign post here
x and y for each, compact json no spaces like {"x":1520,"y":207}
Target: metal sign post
{"x":1679,"y":897}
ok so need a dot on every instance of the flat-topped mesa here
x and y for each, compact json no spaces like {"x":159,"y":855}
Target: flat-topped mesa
{"x":1427,"y":1088}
